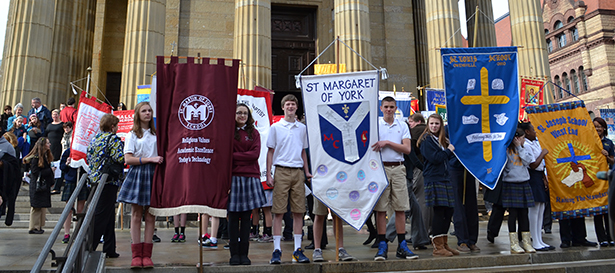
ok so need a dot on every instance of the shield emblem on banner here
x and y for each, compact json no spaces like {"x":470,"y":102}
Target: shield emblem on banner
{"x":345,"y":130}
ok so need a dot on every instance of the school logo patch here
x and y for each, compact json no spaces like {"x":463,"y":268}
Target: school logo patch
{"x":196,"y":112}
{"x":344,"y":130}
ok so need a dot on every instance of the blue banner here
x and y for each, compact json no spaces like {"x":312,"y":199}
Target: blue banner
{"x":482,"y":98}
{"x":434,"y":97}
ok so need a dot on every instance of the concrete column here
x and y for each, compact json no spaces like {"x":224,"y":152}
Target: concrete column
{"x":420,"y":39}
{"x":61,"y":54}
{"x":352,"y":25}
{"x":144,"y":40}
{"x":82,"y":42}
{"x":27,"y":52}
{"x":252,"y":42}
{"x":486,"y":29}
{"x":442,"y":25}
{"x":528,"y":32}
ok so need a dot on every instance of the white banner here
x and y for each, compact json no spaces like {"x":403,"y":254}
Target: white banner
{"x":85,"y":129}
{"x":342,"y":124}
{"x":260,"y":113}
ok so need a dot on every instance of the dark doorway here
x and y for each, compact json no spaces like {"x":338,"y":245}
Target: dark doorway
{"x":293,"y":47}
{"x":114,"y":83}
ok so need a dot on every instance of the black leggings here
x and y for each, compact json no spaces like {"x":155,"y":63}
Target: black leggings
{"x":234,"y":230}
{"x":520,"y":215}
{"x":441,"y":220}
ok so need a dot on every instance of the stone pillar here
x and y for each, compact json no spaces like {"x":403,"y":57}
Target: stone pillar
{"x":352,"y":25}
{"x":82,"y":42}
{"x":144,"y":40}
{"x":527,"y":28}
{"x":486,"y":29}
{"x":442,"y":25}
{"x":252,"y":42}
{"x":61,"y":54}
{"x":27,"y":51}
{"x":420,"y":39}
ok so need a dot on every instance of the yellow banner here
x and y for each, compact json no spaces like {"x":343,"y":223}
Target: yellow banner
{"x":323,"y":69}
{"x":574,"y":158}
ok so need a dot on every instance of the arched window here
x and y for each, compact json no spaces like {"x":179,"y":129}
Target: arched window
{"x":558,"y":91}
{"x":566,"y":81}
{"x":583,"y":78}
{"x":561,"y":40}
{"x":575,"y":34}
{"x":546,"y":31}
{"x":575,"y":81}
{"x":570,"y":19}
{"x":549,"y":45}
{"x":558,"y":25}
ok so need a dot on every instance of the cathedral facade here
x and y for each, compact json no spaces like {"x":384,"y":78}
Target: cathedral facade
{"x":52,"y":43}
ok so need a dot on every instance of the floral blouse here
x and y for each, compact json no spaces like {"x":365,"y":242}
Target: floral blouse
{"x":96,"y":154}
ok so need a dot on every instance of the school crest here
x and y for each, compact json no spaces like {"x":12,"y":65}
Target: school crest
{"x":344,"y":130}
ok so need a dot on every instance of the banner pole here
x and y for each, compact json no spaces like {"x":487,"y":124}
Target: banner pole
{"x":475,"y":26}
{"x":335,"y":218}
{"x":201,"y":243}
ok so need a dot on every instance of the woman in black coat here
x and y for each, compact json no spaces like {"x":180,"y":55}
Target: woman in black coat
{"x":40,"y":158}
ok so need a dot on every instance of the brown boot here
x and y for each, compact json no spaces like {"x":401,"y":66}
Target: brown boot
{"x":137,"y":261}
{"x":438,"y":247}
{"x":147,"y":255}
{"x":455,"y":252}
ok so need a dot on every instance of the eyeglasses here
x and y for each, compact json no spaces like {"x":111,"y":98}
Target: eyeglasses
{"x":241,"y":113}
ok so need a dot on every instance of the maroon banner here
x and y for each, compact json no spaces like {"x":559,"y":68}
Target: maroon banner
{"x":196,"y":123}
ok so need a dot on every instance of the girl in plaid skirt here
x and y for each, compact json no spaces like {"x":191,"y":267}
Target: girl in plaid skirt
{"x":517,"y":194}
{"x":437,"y":150}
{"x":246,"y":189}
{"x":142,"y":155}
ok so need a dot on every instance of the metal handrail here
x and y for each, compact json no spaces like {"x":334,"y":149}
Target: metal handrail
{"x":85,"y":226}
{"x":56,"y":230}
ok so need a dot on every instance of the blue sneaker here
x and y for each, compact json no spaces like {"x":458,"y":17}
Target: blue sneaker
{"x":276,"y":257}
{"x":298,"y":256}
{"x":383,"y":248}
{"x":403,"y":252}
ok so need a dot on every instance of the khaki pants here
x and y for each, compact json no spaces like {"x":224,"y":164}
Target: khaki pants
{"x":37,"y":218}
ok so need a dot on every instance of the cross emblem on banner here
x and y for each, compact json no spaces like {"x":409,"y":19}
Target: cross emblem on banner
{"x":573,"y":157}
{"x":484,"y":100}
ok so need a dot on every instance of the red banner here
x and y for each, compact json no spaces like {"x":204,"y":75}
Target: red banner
{"x":126,"y":120}
{"x":196,"y":124}
{"x":87,"y":126}
{"x":531,"y":94}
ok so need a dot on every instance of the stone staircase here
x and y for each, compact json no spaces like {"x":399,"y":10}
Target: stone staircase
{"x":22,"y":210}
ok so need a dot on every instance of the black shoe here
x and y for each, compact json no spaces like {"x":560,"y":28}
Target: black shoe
{"x":244,"y":260}
{"x":55,"y":192}
{"x":155,"y":239}
{"x":420,"y":247}
{"x":490,"y":237}
{"x":112,"y":255}
{"x":548,"y":231}
{"x":369,"y":239}
{"x":36,"y":231}
{"x":604,"y":244}
{"x":310,"y":246}
{"x":235,"y":260}
{"x":551,"y":247}
{"x":542,"y":249}
{"x":564,"y":245}
{"x":585,"y":243}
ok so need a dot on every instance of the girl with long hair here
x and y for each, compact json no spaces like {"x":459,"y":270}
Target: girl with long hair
{"x":141,"y":154}
{"x":439,"y":194}
{"x":40,"y":159}
{"x":601,"y":222}
{"x":516,"y":193}
{"x":246,"y":189}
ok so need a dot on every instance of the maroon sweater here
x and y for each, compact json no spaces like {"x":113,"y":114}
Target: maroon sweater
{"x":246,"y":151}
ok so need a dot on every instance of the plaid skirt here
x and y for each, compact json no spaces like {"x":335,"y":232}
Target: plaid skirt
{"x":137,"y":187}
{"x":517,"y":195}
{"x":69,"y":188}
{"x":246,"y":194}
{"x":439,"y":194}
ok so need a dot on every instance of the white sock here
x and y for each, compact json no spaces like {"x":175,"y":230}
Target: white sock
{"x":534,"y":231}
{"x":276,"y":242}
{"x":297,"y":241}
{"x":541,"y":218}
{"x":213,"y":240}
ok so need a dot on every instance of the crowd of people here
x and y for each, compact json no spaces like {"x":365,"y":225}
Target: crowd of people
{"x":427,"y":184}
